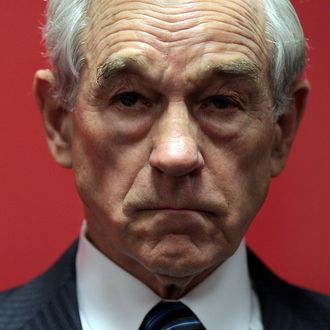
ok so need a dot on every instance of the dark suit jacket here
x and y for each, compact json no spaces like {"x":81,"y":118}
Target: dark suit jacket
{"x":50,"y":303}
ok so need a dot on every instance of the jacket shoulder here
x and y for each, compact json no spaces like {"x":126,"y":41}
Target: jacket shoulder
{"x":286,"y":306}
{"x":29,"y":303}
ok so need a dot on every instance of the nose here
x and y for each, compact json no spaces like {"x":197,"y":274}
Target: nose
{"x":175,"y":150}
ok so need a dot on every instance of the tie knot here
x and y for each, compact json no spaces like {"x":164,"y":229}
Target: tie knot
{"x":171,"y":316}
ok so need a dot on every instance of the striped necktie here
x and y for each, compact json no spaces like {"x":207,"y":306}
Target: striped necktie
{"x":171,"y":316}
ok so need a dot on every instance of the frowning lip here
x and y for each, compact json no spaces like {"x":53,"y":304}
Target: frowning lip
{"x":188,"y":205}
{"x":179,"y":210}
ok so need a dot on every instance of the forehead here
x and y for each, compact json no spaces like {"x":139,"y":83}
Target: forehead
{"x":186,"y":31}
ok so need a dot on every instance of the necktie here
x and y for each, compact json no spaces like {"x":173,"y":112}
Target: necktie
{"x":171,"y":316}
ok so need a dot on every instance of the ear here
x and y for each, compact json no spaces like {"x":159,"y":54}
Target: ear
{"x":287,"y":126}
{"x":57,"y":120}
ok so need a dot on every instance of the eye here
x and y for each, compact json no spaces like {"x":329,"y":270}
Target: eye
{"x":220,"y":102}
{"x":129,"y":99}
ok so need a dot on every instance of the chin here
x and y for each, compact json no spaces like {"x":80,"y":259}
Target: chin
{"x":181,"y":258}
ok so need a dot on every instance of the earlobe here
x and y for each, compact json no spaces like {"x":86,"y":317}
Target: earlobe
{"x":287,"y":125}
{"x":56,"y":119}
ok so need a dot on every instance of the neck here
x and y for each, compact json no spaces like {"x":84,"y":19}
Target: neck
{"x":167,"y":287}
{"x":175,"y":288}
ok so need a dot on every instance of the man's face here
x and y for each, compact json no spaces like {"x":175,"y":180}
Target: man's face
{"x":173,"y":132}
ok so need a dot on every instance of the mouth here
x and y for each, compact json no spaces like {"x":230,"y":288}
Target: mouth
{"x":176,"y":210}
{"x":192,"y":206}
{"x":187,"y":206}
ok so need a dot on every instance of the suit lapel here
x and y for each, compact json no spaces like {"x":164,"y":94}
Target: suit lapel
{"x":61,"y":312}
{"x":284,"y":306}
{"x":58,"y":288}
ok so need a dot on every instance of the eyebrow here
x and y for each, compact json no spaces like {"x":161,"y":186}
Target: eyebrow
{"x":112,"y":67}
{"x":243,"y":69}
{"x":239,"y":68}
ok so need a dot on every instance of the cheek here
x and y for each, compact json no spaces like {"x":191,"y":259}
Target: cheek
{"x":255,"y":167}
{"x":104,"y":167}
{"x":242,"y":171}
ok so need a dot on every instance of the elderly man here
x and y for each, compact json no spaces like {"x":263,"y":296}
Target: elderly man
{"x":174,"y":116}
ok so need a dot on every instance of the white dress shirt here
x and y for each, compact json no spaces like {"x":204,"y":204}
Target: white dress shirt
{"x":109,"y":298}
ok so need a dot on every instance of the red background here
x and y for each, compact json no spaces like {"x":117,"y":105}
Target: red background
{"x":40,"y":212}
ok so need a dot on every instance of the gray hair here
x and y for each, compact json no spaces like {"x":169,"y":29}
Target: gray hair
{"x":288,"y":47}
{"x":67,"y":19}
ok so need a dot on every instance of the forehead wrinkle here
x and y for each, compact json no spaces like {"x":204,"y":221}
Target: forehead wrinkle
{"x":167,"y":21}
{"x":173,"y":32}
{"x":111,"y":27}
{"x":171,"y":17}
{"x":229,"y":36}
{"x":172,"y":8}
{"x":197,"y":10}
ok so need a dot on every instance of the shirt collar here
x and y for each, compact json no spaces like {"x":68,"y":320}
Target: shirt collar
{"x":111,"y":298}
